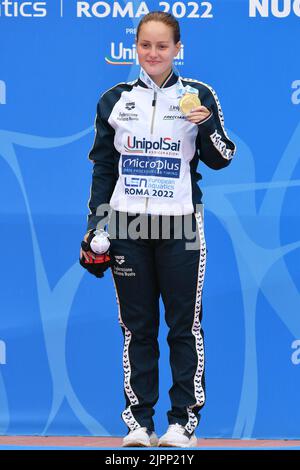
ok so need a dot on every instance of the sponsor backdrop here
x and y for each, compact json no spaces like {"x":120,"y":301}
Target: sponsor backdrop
{"x":60,"y":341}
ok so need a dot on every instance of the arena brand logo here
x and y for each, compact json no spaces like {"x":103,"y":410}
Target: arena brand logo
{"x":120,"y":55}
{"x":277,"y":8}
{"x":296,"y":93}
{"x":25,"y":9}
{"x":2,"y":352}
{"x":2,"y":92}
{"x":295,"y":358}
{"x":218,"y":143}
{"x":130,"y":105}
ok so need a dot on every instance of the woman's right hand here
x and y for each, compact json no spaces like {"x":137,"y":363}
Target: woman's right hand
{"x":86,"y":254}
{"x":96,"y":264}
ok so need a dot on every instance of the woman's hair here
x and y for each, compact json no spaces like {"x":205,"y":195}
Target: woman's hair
{"x":165,"y":18}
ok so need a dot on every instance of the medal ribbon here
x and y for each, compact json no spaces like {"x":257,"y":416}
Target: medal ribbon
{"x":180,"y":89}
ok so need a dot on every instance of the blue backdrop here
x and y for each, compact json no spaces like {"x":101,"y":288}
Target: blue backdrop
{"x":60,"y":341}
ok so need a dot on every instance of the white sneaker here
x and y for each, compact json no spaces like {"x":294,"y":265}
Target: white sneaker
{"x":177,"y":436}
{"x":140,"y":437}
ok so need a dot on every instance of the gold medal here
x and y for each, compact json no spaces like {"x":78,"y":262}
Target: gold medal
{"x":188,"y":102}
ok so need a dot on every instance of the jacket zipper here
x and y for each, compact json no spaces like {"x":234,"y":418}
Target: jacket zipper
{"x":154,"y":109}
{"x":151,"y":130}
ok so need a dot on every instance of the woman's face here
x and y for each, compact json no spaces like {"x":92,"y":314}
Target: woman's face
{"x":156,"y":49}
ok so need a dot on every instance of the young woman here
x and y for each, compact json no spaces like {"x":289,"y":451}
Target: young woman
{"x":150,"y":135}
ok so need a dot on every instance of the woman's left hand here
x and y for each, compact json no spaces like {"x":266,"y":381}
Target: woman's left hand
{"x":198,"y":114}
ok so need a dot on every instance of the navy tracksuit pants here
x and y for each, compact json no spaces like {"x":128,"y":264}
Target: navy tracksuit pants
{"x":146,"y":268}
